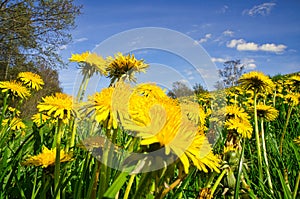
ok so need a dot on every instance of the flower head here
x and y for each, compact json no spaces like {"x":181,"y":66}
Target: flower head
{"x":15,"y":123}
{"x":242,"y":127}
{"x":295,"y":79}
{"x":297,"y":140}
{"x":16,"y":88}
{"x":14,"y":111}
{"x":233,"y":111}
{"x":40,"y":118}
{"x":79,"y":57}
{"x":100,"y":106}
{"x":292,"y":99}
{"x":269,"y":113}
{"x":256,"y":81}
{"x":158,"y":119}
{"x":46,"y":158}
{"x":90,"y":63}
{"x":59,"y":106}
{"x":151,"y":90}
{"x":124,"y":67}
{"x":31,"y":80}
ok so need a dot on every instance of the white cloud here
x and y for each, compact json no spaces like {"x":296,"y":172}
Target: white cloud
{"x":219,"y":60}
{"x":80,"y":39}
{"x":63,"y":47}
{"x":273,"y":48}
{"x":223,"y":9}
{"x":233,"y":43}
{"x":206,"y":37}
{"x":228,"y":33}
{"x":249,"y":63}
{"x":250,"y":66}
{"x":262,"y":9}
{"x":247,"y":46}
{"x":242,"y":45}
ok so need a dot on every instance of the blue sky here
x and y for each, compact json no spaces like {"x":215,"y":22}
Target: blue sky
{"x":264,"y":35}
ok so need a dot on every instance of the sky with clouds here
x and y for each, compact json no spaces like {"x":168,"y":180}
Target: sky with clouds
{"x":264,"y":35}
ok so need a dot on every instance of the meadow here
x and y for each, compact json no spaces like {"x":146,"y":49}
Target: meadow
{"x":133,"y":141}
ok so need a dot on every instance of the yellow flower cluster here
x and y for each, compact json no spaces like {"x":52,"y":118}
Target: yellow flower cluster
{"x":18,"y":89}
{"x":238,"y":120}
{"x":151,"y":115}
{"x":118,"y":67}
{"x":46,"y":158}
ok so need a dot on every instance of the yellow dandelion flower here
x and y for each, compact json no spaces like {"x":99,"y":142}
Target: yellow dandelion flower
{"x":40,"y":118}
{"x":46,"y":158}
{"x":243,"y":127}
{"x":295,"y":78}
{"x":230,"y":148}
{"x":292,"y":99}
{"x":256,"y":81}
{"x":150,"y":90}
{"x":297,"y":140}
{"x":31,"y":80}
{"x":296,"y":82}
{"x":97,"y":63}
{"x":16,"y":88}
{"x":234,"y":111}
{"x":100,"y":106}
{"x":14,"y":110}
{"x":79,"y":57}
{"x":124,"y":67}
{"x":162,"y":121}
{"x":14,"y":124}
{"x":205,"y":193}
{"x":195,"y":113}
{"x":269,"y":113}
{"x":201,"y":155}
{"x":90,"y":63}
{"x":59,"y":106}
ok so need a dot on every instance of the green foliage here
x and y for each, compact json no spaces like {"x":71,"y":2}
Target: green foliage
{"x":31,"y":32}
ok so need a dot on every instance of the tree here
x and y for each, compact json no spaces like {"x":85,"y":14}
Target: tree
{"x":179,"y":89}
{"x":198,"y":89}
{"x":232,"y":71}
{"x":32,"y":31}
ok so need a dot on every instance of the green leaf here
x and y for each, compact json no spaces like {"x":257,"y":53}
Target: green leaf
{"x":116,"y":186}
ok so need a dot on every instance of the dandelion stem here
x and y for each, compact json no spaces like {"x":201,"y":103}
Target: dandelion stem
{"x":285,"y":127}
{"x":259,"y":157}
{"x":129,"y":185}
{"x":73,"y":129}
{"x":240,"y":169}
{"x":265,"y":156}
{"x":213,"y":189}
{"x":296,"y":186}
{"x":57,"y":159}
{"x":5,"y":105}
